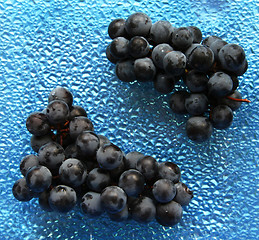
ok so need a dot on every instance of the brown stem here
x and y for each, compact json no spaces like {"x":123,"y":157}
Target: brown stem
{"x":238,"y":100}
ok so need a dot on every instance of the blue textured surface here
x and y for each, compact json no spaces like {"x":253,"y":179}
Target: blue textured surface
{"x":48,"y":43}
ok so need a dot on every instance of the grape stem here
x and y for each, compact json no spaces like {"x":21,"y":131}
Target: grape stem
{"x":238,"y":100}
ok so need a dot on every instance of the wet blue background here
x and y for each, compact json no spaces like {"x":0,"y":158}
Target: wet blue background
{"x":48,"y":43}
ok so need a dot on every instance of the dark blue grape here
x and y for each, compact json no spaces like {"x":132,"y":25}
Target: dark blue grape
{"x":117,"y":28}
{"x":196,"y":81}
{"x":132,"y":182}
{"x":113,"y":199}
{"x":164,"y":190}
{"x":72,"y":172}
{"x":138,"y":47}
{"x":138,"y":24}
{"x":220,"y":84}
{"x":125,"y":70}
{"x":169,"y":214}
{"x":109,"y":156}
{"x":98,"y":179}
{"x":148,"y":166}
{"x":88,"y":143}
{"x":161,"y":31}
{"x":177,"y":102}
{"x":120,"y":216}
{"x":231,"y":57}
{"x":221,"y":116}
{"x":196,"y":103}
{"x":39,"y":178}
{"x":91,"y":204}
{"x":189,"y":50}
{"x":57,"y":112}
{"x":109,"y":56}
{"x":119,"y":48}
{"x":144,"y":69}
{"x":164,"y":83}
{"x":174,"y":63}
{"x":216,"y":46}
{"x":38,"y":124}
{"x":181,"y":38}
{"x":63,"y":94}
{"x":21,"y":191}
{"x":143,"y":209}
{"x":183,"y":194}
{"x":131,"y":159}
{"x":62,"y":198}
{"x":77,"y":111}
{"x":196,"y":33}
{"x":209,"y":40}
{"x":201,"y":58}
{"x":198,"y":128}
{"x":51,"y":155}
{"x":78,"y":125}
{"x":27,"y":163}
{"x":38,"y":141}
{"x":170,"y":171}
{"x":159,"y":53}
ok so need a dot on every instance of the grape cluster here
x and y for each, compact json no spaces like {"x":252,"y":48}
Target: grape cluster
{"x":164,"y":54}
{"x":75,"y":165}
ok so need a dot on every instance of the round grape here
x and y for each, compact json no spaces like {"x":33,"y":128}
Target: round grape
{"x":88,"y":143}
{"x":138,"y":47}
{"x":132,"y":182}
{"x":51,"y":155}
{"x":38,"y":124}
{"x":91,"y":204}
{"x":113,"y":199}
{"x":221,"y":116}
{"x":78,"y":125}
{"x":61,"y":93}
{"x":148,"y":166}
{"x":57,"y":112}
{"x":138,"y":24}
{"x":21,"y":191}
{"x":181,"y":38}
{"x":161,"y":31}
{"x":72,"y":172}
{"x":198,"y":128}
{"x":164,"y":190}
{"x":117,"y":28}
{"x":39,"y":178}
{"x":125,"y":70}
{"x":62,"y":198}
{"x":98,"y":179}
{"x":183,"y":194}
{"x":170,"y":171}
{"x":174,"y":63}
{"x":144,"y":69}
{"x":28,"y":162}
{"x":143,"y":209}
{"x":196,"y":103}
{"x":109,"y":156}
{"x":169,"y":214}
{"x":119,"y":48}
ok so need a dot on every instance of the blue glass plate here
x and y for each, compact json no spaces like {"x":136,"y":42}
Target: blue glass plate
{"x":48,"y":43}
